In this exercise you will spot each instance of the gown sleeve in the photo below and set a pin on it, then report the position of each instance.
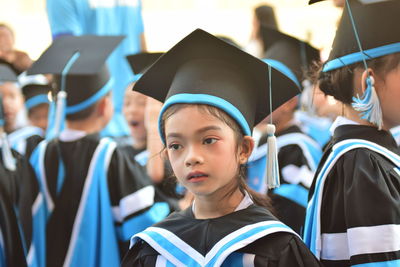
(372, 208)
(132, 198)
(281, 250)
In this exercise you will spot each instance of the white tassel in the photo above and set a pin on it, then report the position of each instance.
(8, 159)
(60, 111)
(368, 104)
(272, 172)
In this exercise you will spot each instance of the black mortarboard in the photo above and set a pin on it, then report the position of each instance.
(141, 61)
(7, 74)
(378, 31)
(202, 69)
(35, 88)
(295, 54)
(78, 63)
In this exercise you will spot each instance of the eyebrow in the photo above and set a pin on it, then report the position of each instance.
(199, 131)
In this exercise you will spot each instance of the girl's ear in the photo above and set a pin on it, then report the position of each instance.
(247, 147)
(364, 76)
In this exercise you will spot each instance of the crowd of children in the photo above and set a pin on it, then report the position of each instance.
(234, 158)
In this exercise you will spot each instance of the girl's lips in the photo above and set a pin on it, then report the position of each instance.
(196, 176)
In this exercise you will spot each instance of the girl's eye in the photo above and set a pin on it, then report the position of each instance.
(209, 141)
(174, 146)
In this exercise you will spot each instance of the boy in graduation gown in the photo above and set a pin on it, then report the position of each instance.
(36, 89)
(97, 196)
(298, 154)
(18, 193)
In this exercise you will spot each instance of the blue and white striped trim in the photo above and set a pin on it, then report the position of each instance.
(91, 100)
(179, 253)
(110, 146)
(211, 100)
(359, 56)
(312, 230)
(17, 139)
(36, 101)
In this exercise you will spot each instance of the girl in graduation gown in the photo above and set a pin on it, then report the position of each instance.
(207, 136)
(353, 214)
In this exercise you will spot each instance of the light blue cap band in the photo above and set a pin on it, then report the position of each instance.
(211, 100)
(282, 68)
(37, 100)
(91, 100)
(360, 56)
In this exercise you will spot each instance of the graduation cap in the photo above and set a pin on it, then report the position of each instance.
(7, 74)
(35, 88)
(79, 67)
(202, 69)
(141, 61)
(377, 32)
(290, 55)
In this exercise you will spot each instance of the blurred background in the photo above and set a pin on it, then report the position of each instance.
(167, 21)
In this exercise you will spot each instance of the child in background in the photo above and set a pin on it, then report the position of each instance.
(213, 94)
(35, 89)
(97, 195)
(353, 216)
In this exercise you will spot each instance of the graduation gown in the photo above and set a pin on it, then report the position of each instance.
(298, 157)
(19, 194)
(24, 140)
(97, 196)
(251, 235)
(11, 245)
(353, 217)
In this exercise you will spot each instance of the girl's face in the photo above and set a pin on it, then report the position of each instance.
(389, 95)
(12, 102)
(134, 107)
(202, 151)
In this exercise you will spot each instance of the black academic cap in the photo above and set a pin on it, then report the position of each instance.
(377, 25)
(7, 74)
(202, 69)
(81, 60)
(141, 61)
(228, 40)
(297, 55)
(35, 89)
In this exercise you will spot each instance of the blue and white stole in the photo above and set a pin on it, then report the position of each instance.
(396, 134)
(17, 139)
(101, 246)
(312, 228)
(176, 252)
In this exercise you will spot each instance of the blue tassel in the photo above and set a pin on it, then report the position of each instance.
(368, 104)
(273, 179)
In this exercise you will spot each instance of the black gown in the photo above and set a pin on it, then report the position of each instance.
(119, 200)
(18, 190)
(275, 249)
(360, 207)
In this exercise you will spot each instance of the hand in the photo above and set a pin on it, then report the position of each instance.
(152, 111)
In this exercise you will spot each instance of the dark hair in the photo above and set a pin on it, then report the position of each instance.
(259, 199)
(85, 113)
(339, 83)
(266, 16)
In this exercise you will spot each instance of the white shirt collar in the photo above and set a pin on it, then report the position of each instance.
(340, 120)
(69, 135)
(245, 203)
